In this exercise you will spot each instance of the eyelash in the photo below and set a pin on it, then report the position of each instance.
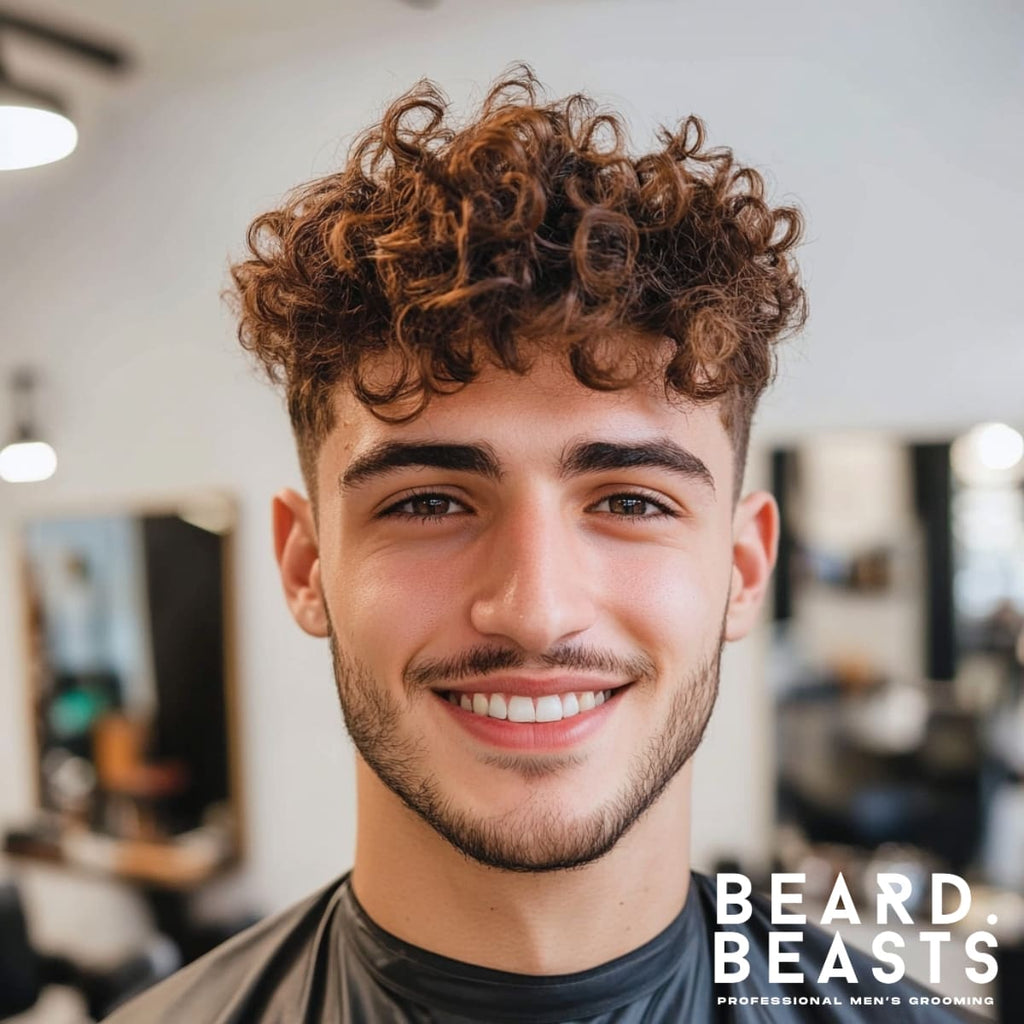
(663, 509)
(394, 511)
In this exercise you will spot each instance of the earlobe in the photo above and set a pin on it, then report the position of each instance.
(298, 558)
(755, 545)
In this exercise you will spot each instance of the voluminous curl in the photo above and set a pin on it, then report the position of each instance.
(451, 247)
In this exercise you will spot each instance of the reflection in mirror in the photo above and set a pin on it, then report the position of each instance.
(129, 673)
(898, 659)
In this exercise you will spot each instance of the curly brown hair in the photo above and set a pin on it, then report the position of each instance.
(450, 247)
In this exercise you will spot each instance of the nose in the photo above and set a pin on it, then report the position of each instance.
(535, 583)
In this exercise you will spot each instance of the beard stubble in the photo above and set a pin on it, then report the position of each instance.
(547, 842)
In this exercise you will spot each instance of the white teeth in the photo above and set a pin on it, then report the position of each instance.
(552, 707)
(549, 709)
(521, 709)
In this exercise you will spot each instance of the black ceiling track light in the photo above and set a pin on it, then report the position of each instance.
(35, 126)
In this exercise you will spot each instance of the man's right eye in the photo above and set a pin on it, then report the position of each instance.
(424, 506)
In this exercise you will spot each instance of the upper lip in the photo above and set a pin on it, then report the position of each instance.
(534, 686)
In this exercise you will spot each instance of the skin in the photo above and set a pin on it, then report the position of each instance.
(614, 575)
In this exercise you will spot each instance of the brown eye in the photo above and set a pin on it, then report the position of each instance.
(628, 505)
(631, 505)
(429, 505)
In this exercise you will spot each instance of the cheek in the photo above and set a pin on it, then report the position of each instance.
(384, 609)
(670, 600)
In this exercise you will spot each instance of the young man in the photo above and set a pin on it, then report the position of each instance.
(521, 366)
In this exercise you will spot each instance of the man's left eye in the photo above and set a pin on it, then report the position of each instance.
(633, 506)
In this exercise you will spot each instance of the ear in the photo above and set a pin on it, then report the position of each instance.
(754, 547)
(298, 558)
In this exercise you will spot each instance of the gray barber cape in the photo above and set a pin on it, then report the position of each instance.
(325, 962)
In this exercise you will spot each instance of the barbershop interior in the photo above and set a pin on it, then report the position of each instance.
(173, 762)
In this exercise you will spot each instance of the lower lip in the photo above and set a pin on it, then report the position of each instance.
(535, 736)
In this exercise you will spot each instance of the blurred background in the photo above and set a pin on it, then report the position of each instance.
(172, 761)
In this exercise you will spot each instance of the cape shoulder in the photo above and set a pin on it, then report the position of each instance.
(261, 974)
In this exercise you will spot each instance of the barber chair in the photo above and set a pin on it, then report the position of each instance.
(25, 972)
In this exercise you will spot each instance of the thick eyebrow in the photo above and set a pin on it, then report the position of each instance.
(391, 455)
(595, 456)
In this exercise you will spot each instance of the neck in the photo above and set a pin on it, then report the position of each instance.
(416, 886)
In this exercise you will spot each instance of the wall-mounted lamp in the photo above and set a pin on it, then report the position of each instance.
(35, 127)
(28, 458)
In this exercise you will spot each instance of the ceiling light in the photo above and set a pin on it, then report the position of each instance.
(27, 462)
(990, 453)
(999, 446)
(34, 126)
(28, 458)
(34, 129)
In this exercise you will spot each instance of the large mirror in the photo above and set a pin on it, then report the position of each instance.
(130, 685)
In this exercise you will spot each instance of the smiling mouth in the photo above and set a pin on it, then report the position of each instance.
(553, 707)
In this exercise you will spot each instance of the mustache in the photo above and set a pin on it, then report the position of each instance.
(484, 660)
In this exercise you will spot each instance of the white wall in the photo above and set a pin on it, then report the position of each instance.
(897, 128)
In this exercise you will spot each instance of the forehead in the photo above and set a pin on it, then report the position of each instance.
(532, 417)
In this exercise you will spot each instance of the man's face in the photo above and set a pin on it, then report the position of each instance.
(528, 548)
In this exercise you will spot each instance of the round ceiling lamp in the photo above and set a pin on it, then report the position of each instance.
(27, 458)
(989, 454)
(34, 128)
